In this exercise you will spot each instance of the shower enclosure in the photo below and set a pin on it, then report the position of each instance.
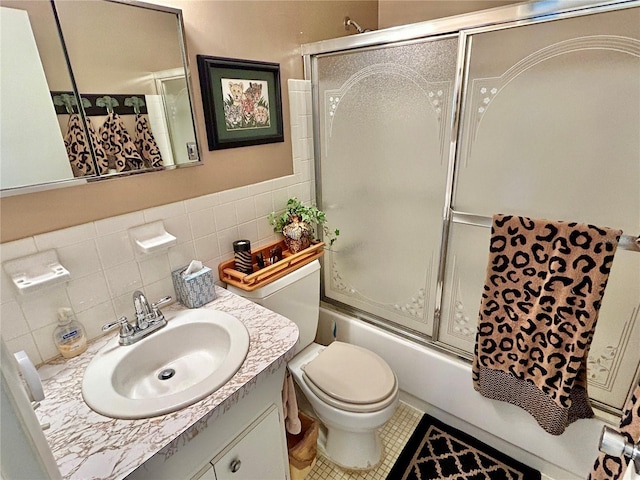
(423, 132)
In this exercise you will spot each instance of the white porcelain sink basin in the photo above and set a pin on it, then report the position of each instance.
(194, 355)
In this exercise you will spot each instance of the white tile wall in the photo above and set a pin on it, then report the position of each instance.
(106, 270)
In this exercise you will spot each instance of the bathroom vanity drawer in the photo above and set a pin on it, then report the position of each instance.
(256, 453)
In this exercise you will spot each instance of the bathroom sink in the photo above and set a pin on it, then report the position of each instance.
(194, 355)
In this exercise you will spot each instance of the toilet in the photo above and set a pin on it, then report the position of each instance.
(352, 390)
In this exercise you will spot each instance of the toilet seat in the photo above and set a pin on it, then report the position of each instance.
(341, 375)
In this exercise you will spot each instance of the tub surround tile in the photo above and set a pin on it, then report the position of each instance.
(89, 445)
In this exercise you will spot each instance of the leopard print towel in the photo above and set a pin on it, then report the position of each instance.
(545, 281)
(146, 143)
(607, 467)
(121, 151)
(79, 151)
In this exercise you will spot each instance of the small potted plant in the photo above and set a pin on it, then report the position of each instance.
(297, 225)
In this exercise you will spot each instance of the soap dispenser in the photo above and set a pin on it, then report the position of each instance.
(69, 336)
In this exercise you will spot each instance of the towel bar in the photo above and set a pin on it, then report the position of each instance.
(626, 242)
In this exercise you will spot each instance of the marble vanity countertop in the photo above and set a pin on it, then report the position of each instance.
(88, 445)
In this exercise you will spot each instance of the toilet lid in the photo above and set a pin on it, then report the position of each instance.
(351, 374)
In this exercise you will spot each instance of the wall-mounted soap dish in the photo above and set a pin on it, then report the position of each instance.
(36, 272)
(151, 237)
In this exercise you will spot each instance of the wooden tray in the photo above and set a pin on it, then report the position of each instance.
(266, 275)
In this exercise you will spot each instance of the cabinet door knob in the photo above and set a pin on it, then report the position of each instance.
(235, 465)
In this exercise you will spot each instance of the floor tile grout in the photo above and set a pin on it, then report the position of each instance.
(394, 436)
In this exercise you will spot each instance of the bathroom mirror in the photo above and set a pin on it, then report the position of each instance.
(118, 103)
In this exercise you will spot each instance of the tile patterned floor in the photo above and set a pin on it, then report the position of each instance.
(394, 435)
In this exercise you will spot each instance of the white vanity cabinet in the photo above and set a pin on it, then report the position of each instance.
(246, 440)
(254, 454)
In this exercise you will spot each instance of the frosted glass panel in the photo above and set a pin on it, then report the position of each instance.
(550, 130)
(384, 118)
(550, 125)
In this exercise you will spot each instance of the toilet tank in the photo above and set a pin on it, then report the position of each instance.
(295, 296)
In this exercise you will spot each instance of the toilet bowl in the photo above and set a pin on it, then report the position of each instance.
(351, 412)
(352, 391)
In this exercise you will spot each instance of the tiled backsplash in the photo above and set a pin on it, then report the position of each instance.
(105, 269)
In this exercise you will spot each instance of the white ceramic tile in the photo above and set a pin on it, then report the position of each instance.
(43, 338)
(87, 292)
(296, 144)
(155, 268)
(234, 194)
(25, 343)
(283, 182)
(66, 237)
(264, 204)
(303, 124)
(12, 321)
(202, 202)
(179, 227)
(305, 170)
(202, 223)
(245, 210)
(225, 241)
(164, 211)
(41, 308)
(307, 146)
(225, 216)
(119, 223)
(207, 248)
(115, 249)
(280, 198)
(123, 278)
(248, 231)
(94, 318)
(160, 289)
(213, 265)
(265, 229)
(182, 255)
(80, 259)
(8, 291)
(17, 249)
(123, 306)
(296, 191)
(307, 192)
(262, 187)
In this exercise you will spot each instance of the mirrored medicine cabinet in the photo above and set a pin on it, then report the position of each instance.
(91, 89)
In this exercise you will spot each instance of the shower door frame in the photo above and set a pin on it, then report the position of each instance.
(462, 26)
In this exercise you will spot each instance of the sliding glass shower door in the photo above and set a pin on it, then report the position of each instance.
(419, 143)
(385, 131)
(550, 129)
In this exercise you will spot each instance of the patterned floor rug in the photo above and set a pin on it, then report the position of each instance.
(437, 451)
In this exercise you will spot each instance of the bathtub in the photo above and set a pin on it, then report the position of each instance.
(440, 385)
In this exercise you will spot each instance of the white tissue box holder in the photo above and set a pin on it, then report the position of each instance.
(195, 289)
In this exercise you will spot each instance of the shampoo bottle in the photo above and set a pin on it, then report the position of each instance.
(69, 335)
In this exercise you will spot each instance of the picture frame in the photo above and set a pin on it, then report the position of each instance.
(242, 101)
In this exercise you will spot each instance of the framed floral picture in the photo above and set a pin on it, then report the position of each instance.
(242, 102)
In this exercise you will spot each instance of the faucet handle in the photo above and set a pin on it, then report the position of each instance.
(155, 307)
(125, 327)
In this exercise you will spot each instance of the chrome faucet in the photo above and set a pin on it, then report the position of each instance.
(148, 320)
